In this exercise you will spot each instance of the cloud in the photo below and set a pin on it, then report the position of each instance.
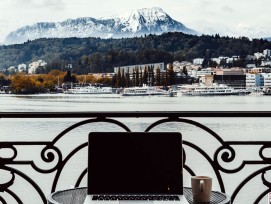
(55, 4)
(243, 26)
(226, 8)
(39, 4)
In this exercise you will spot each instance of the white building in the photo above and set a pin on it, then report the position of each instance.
(11, 69)
(266, 63)
(258, 55)
(198, 61)
(266, 79)
(263, 80)
(250, 66)
(250, 80)
(231, 59)
(231, 71)
(267, 53)
(178, 66)
(204, 72)
(32, 67)
(217, 60)
(22, 67)
(250, 58)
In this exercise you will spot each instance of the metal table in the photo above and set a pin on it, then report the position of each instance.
(78, 195)
(216, 197)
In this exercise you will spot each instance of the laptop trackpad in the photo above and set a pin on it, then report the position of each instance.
(135, 202)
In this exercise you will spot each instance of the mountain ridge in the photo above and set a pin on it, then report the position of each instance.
(100, 55)
(136, 23)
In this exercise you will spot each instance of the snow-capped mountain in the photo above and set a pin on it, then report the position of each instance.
(136, 23)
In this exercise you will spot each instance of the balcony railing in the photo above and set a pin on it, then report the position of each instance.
(34, 165)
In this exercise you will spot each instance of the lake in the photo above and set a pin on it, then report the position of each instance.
(233, 129)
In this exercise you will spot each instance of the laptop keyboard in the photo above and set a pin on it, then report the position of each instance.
(135, 197)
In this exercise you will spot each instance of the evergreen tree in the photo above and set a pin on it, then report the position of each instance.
(137, 77)
(114, 81)
(118, 82)
(133, 81)
(149, 75)
(163, 79)
(152, 77)
(127, 81)
(171, 74)
(140, 77)
(69, 77)
(122, 79)
(145, 76)
(185, 72)
(158, 76)
(166, 78)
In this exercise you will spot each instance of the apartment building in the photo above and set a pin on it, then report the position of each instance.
(250, 80)
(263, 80)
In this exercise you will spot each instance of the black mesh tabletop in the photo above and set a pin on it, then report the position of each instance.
(78, 195)
(71, 196)
(216, 197)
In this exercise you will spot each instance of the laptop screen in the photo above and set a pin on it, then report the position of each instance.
(135, 163)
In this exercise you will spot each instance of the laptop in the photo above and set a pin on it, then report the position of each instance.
(135, 167)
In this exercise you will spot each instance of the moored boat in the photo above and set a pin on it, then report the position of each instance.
(89, 89)
(213, 90)
(147, 91)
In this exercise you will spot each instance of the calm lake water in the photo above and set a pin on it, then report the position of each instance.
(233, 129)
(112, 102)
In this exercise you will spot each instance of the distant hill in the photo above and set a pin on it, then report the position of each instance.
(101, 55)
(138, 22)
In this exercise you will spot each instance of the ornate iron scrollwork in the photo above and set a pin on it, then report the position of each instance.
(49, 159)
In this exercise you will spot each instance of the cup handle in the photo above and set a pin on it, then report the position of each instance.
(201, 183)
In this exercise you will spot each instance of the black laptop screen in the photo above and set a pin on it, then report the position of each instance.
(135, 163)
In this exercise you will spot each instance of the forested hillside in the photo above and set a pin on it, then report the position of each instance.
(101, 55)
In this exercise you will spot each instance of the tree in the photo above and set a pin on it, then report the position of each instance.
(23, 84)
(133, 79)
(141, 77)
(151, 76)
(69, 77)
(4, 81)
(114, 81)
(223, 63)
(158, 76)
(122, 78)
(145, 76)
(239, 63)
(185, 72)
(127, 81)
(166, 78)
(212, 63)
(137, 77)
(118, 82)
(171, 74)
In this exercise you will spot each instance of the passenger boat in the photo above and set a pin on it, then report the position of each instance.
(213, 90)
(148, 91)
(90, 89)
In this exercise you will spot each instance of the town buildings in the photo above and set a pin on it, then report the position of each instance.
(255, 72)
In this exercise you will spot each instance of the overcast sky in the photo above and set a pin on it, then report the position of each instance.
(230, 17)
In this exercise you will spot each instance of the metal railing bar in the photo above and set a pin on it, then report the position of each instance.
(136, 114)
